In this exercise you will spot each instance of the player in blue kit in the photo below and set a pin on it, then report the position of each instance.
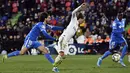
(117, 39)
(32, 42)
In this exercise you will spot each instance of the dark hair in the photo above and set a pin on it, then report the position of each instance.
(120, 14)
(80, 16)
(43, 16)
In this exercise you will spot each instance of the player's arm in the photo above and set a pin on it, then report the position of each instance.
(81, 7)
(125, 13)
(45, 33)
(128, 9)
(114, 25)
(54, 27)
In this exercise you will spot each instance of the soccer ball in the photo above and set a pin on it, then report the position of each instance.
(116, 57)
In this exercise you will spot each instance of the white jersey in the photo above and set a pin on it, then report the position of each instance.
(67, 35)
(69, 32)
(71, 29)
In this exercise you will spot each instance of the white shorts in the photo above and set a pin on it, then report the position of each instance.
(62, 43)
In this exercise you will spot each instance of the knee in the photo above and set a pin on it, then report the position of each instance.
(125, 45)
(45, 51)
(61, 53)
(21, 53)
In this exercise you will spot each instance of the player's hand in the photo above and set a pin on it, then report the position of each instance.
(56, 40)
(85, 6)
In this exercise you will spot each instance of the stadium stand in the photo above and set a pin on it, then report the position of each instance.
(18, 16)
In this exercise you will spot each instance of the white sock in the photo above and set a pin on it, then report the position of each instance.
(58, 58)
(129, 58)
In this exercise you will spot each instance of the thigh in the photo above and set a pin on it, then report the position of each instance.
(123, 41)
(40, 47)
(62, 44)
(23, 50)
(36, 44)
(112, 44)
(43, 49)
(28, 43)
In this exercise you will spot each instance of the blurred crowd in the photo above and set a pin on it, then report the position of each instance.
(95, 29)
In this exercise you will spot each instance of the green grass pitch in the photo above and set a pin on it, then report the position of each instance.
(72, 64)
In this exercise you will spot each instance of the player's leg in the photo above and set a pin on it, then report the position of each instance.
(46, 54)
(128, 51)
(15, 53)
(59, 59)
(61, 54)
(27, 44)
(123, 53)
(48, 57)
(124, 50)
(128, 54)
(106, 54)
(60, 51)
(112, 46)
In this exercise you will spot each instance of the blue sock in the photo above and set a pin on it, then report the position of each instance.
(15, 53)
(49, 58)
(106, 54)
(123, 51)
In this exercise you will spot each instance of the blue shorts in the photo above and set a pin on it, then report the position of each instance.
(116, 41)
(28, 43)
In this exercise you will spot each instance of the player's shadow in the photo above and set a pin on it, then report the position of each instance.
(117, 66)
(66, 69)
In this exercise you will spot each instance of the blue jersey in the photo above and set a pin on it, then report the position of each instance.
(31, 39)
(41, 27)
(118, 26)
(116, 35)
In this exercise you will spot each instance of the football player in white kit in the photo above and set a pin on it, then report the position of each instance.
(76, 19)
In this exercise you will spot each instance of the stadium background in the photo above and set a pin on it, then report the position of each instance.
(18, 16)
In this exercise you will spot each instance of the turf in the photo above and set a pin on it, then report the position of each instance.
(72, 64)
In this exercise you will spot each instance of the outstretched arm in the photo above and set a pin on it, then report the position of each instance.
(128, 9)
(81, 7)
(42, 29)
(125, 12)
(54, 27)
(47, 35)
